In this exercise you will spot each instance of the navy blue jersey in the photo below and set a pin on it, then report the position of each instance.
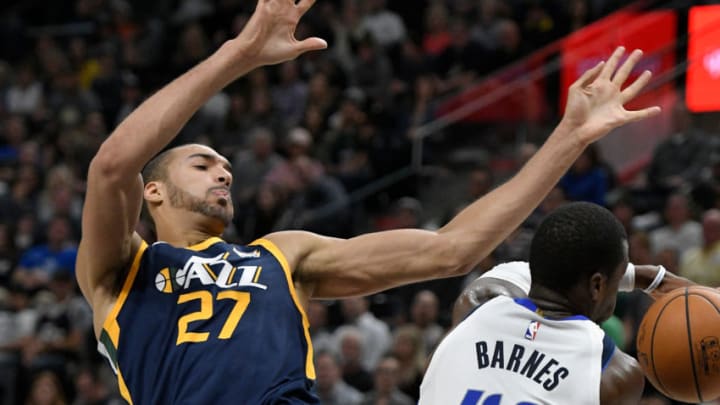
(214, 323)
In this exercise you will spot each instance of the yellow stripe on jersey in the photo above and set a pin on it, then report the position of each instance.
(309, 366)
(205, 244)
(257, 275)
(124, 392)
(210, 272)
(111, 325)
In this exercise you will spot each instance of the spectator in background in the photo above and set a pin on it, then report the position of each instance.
(262, 214)
(14, 133)
(678, 160)
(46, 389)
(508, 45)
(41, 262)
(352, 349)
(318, 202)
(680, 233)
(8, 253)
(250, 166)
(640, 251)
(59, 197)
(385, 26)
(25, 235)
(386, 391)
(68, 100)
(376, 334)
(480, 181)
(408, 348)
(17, 324)
(437, 36)
(460, 62)
(331, 389)
(424, 315)
(587, 179)
(702, 264)
(669, 258)
(624, 211)
(130, 96)
(25, 96)
(61, 329)
(372, 71)
(322, 339)
(290, 95)
(22, 196)
(90, 390)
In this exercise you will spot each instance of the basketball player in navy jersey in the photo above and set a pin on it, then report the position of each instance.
(192, 319)
(536, 323)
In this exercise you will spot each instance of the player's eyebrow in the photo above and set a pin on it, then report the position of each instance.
(210, 157)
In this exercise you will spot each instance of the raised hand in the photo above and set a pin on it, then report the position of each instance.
(596, 102)
(269, 36)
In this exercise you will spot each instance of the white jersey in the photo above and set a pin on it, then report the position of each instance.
(506, 353)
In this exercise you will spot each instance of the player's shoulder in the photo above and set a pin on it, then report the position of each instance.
(622, 380)
(296, 246)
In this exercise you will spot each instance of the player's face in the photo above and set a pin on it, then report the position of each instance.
(199, 181)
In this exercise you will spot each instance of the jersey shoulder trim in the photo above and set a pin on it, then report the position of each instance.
(205, 244)
(277, 253)
(110, 335)
(607, 351)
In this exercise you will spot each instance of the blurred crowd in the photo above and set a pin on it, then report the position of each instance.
(302, 138)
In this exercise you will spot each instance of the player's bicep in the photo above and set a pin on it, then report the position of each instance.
(369, 263)
(110, 214)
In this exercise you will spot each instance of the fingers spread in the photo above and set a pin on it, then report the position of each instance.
(304, 5)
(624, 72)
(590, 75)
(634, 89)
(612, 63)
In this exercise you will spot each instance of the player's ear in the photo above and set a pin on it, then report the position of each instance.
(154, 192)
(597, 286)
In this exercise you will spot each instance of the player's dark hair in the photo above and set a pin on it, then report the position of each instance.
(156, 168)
(574, 242)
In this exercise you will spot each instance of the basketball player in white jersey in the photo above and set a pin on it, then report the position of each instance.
(538, 342)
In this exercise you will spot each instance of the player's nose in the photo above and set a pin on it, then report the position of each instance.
(223, 176)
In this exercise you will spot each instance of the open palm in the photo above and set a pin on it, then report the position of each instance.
(596, 101)
(269, 35)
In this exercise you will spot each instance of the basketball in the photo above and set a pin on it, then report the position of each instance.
(678, 344)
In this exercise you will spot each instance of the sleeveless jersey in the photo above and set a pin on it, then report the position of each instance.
(214, 323)
(507, 353)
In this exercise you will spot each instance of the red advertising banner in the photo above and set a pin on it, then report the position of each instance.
(653, 32)
(514, 94)
(703, 74)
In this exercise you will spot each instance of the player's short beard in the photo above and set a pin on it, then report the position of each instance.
(180, 198)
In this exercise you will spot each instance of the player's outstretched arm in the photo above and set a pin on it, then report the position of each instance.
(114, 193)
(373, 262)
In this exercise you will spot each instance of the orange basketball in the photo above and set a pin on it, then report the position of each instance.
(678, 344)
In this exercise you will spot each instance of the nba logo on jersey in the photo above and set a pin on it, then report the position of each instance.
(532, 330)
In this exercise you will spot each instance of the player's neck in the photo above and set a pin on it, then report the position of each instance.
(554, 304)
(185, 229)
(180, 235)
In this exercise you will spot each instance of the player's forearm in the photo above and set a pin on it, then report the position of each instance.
(158, 120)
(480, 227)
